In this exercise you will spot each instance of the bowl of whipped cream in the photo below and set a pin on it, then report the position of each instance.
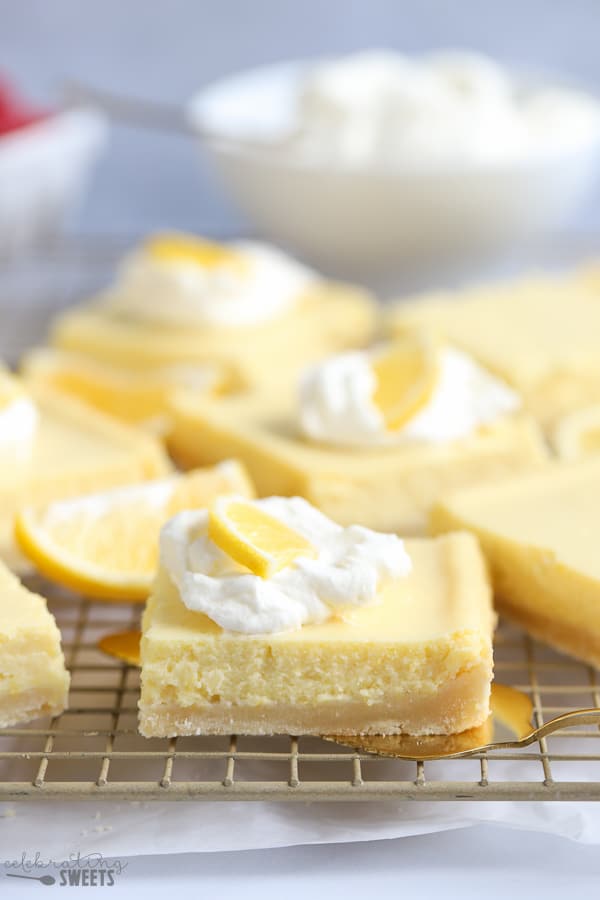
(376, 164)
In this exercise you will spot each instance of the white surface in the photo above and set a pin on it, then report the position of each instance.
(478, 862)
(164, 827)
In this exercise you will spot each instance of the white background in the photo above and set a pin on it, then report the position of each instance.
(165, 50)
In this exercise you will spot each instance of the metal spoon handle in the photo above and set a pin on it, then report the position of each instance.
(576, 717)
(131, 110)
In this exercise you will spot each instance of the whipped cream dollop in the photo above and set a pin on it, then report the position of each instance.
(336, 402)
(381, 107)
(351, 567)
(250, 284)
(18, 426)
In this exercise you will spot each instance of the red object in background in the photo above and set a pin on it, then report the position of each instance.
(16, 113)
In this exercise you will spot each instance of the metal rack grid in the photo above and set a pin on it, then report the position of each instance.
(94, 750)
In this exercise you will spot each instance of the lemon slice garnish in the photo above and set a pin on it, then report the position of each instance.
(184, 248)
(105, 545)
(406, 375)
(253, 538)
(577, 435)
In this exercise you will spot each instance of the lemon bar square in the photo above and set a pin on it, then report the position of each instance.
(539, 532)
(327, 318)
(419, 662)
(33, 679)
(541, 334)
(76, 449)
(388, 489)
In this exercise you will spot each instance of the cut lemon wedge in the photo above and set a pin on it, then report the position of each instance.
(106, 545)
(406, 373)
(187, 248)
(577, 435)
(253, 538)
(136, 396)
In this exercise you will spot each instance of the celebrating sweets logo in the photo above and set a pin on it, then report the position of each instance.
(79, 870)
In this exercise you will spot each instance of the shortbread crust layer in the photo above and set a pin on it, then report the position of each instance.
(461, 704)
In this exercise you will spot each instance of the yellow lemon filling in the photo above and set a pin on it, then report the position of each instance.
(255, 539)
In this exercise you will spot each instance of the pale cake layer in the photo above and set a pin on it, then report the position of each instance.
(541, 334)
(328, 318)
(33, 678)
(539, 533)
(421, 660)
(77, 450)
(389, 489)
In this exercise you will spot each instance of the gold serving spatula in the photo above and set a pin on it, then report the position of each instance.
(508, 727)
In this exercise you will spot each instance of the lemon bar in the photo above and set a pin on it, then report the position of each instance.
(135, 396)
(246, 307)
(541, 334)
(389, 488)
(33, 678)
(539, 533)
(417, 662)
(75, 449)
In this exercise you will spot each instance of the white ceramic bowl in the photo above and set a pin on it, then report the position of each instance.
(44, 169)
(377, 222)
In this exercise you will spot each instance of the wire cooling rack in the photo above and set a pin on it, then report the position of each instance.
(94, 750)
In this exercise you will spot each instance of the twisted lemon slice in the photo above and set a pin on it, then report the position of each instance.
(105, 545)
(184, 248)
(253, 538)
(406, 373)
